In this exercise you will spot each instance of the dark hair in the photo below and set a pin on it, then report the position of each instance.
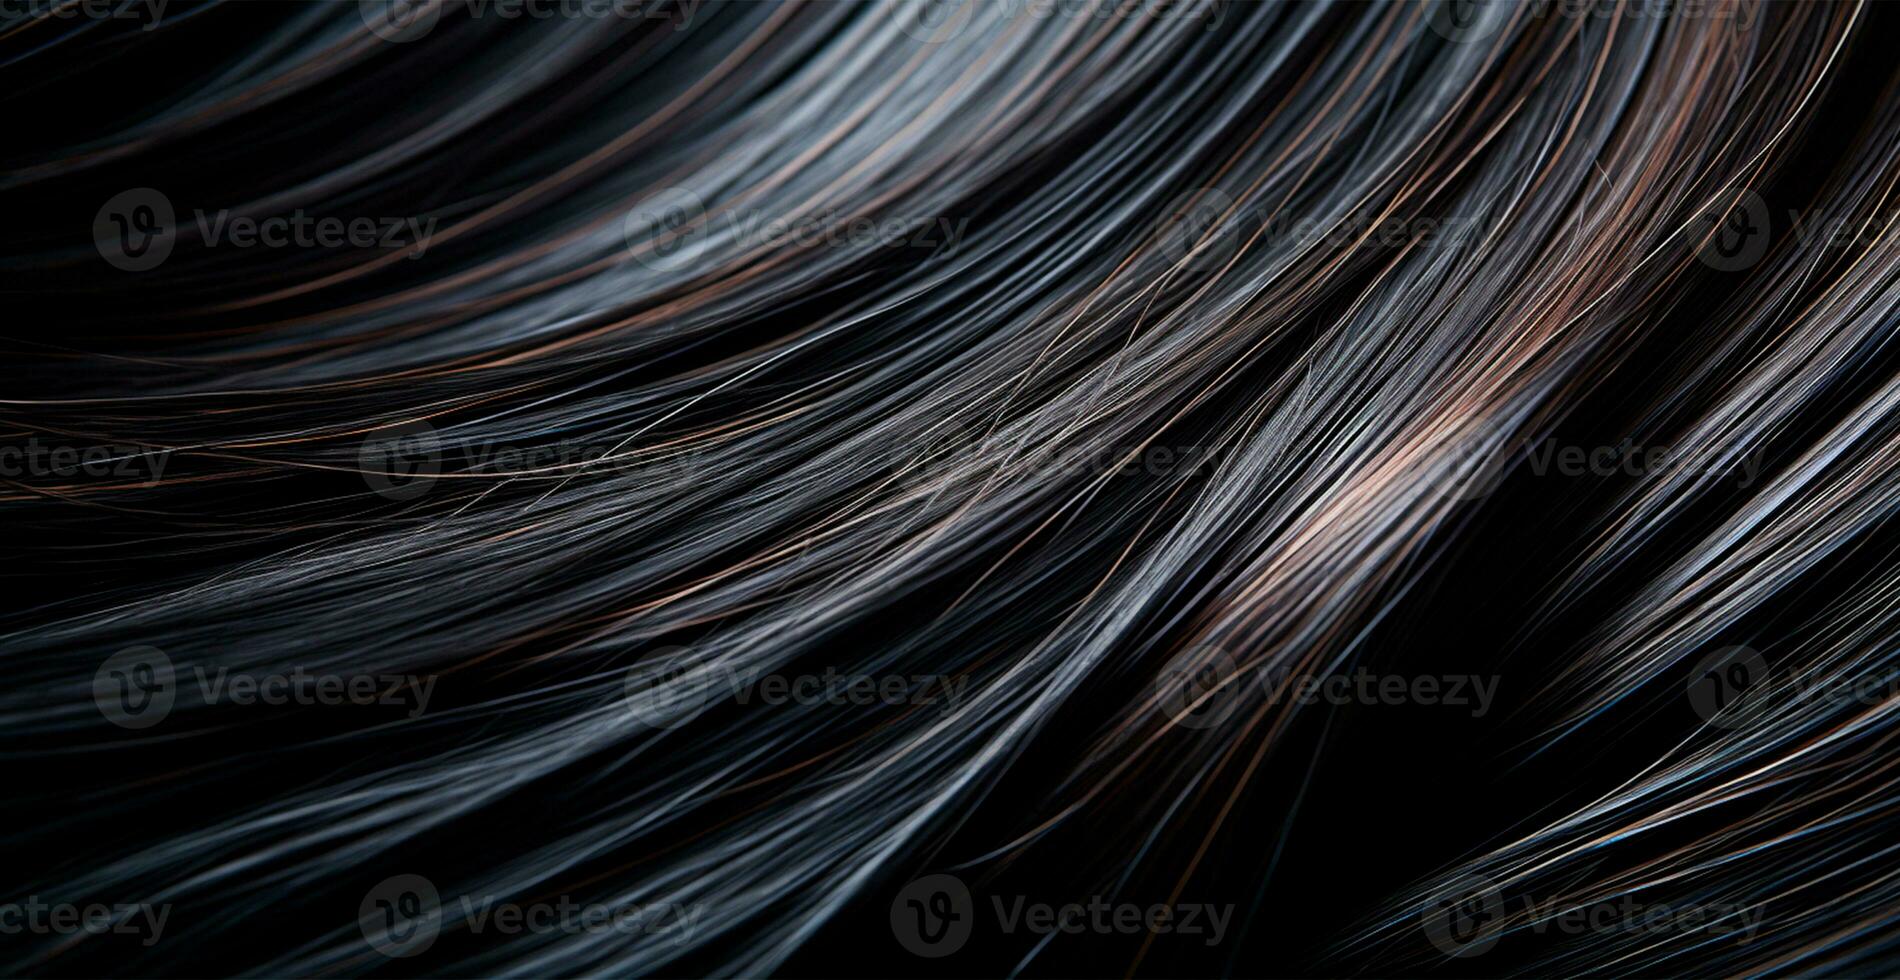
(1412, 479)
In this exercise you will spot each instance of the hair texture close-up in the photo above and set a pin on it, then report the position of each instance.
(977, 488)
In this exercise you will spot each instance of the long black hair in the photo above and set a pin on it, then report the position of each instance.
(617, 488)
